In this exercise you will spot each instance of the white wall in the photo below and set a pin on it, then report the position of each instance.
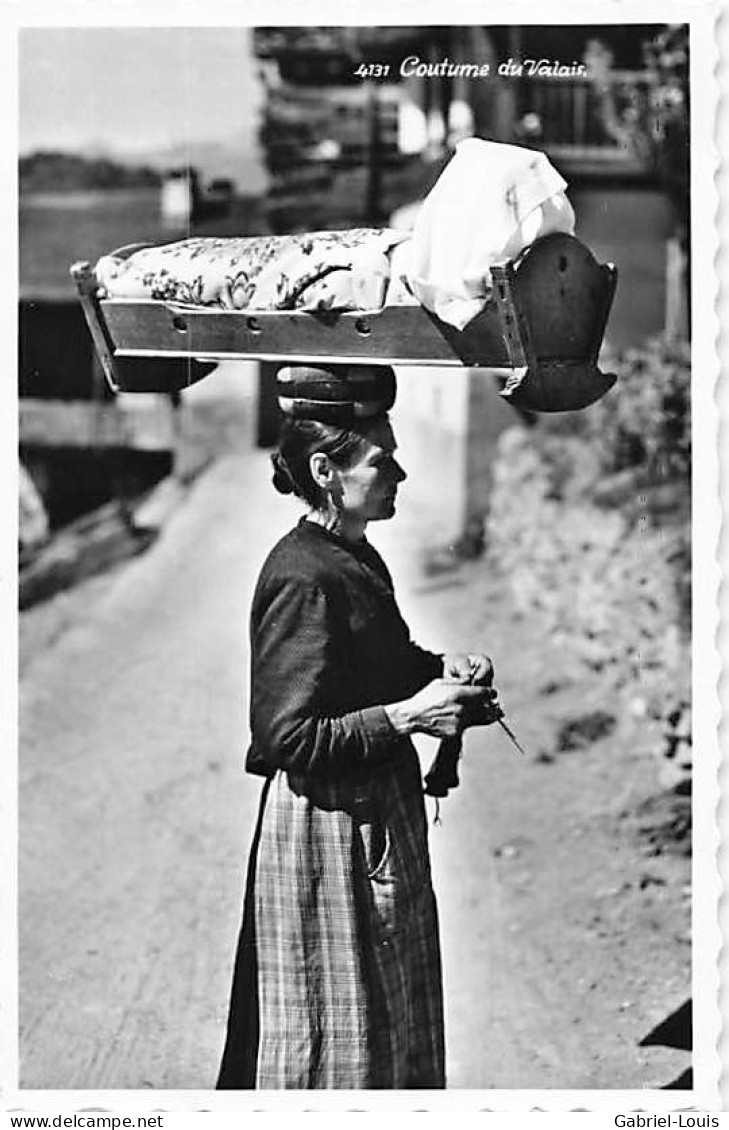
(447, 421)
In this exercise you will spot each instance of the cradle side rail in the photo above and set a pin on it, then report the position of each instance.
(548, 314)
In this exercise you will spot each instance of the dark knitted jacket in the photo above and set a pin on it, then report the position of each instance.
(329, 648)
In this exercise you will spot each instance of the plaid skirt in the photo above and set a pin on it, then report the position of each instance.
(341, 924)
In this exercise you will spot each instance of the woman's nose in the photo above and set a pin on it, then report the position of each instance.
(400, 474)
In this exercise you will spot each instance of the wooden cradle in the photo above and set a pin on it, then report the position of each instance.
(544, 324)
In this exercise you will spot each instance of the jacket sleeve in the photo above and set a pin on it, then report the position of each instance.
(424, 666)
(294, 674)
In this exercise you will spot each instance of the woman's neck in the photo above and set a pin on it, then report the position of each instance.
(348, 529)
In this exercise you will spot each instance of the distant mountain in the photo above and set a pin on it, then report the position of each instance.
(55, 171)
(50, 171)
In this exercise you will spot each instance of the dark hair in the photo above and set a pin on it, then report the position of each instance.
(298, 441)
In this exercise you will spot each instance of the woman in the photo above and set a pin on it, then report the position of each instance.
(338, 977)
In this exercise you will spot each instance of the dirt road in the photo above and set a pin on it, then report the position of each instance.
(565, 940)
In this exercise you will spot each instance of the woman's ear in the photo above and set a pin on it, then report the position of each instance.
(321, 470)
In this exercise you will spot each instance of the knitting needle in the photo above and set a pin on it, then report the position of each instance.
(510, 733)
(504, 725)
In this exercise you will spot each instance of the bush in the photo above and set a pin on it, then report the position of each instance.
(645, 421)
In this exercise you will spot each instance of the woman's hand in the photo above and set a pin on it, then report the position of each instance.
(444, 709)
(468, 668)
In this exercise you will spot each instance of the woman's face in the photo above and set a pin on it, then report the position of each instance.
(365, 491)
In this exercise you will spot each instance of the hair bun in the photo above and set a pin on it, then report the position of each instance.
(282, 479)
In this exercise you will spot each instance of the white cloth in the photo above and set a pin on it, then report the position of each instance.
(488, 204)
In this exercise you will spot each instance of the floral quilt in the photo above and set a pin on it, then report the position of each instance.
(318, 271)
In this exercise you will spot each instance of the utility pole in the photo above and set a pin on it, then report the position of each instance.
(373, 190)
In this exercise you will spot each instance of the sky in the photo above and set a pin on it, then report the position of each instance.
(135, 90)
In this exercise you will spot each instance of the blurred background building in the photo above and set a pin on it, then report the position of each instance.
(342, 99)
